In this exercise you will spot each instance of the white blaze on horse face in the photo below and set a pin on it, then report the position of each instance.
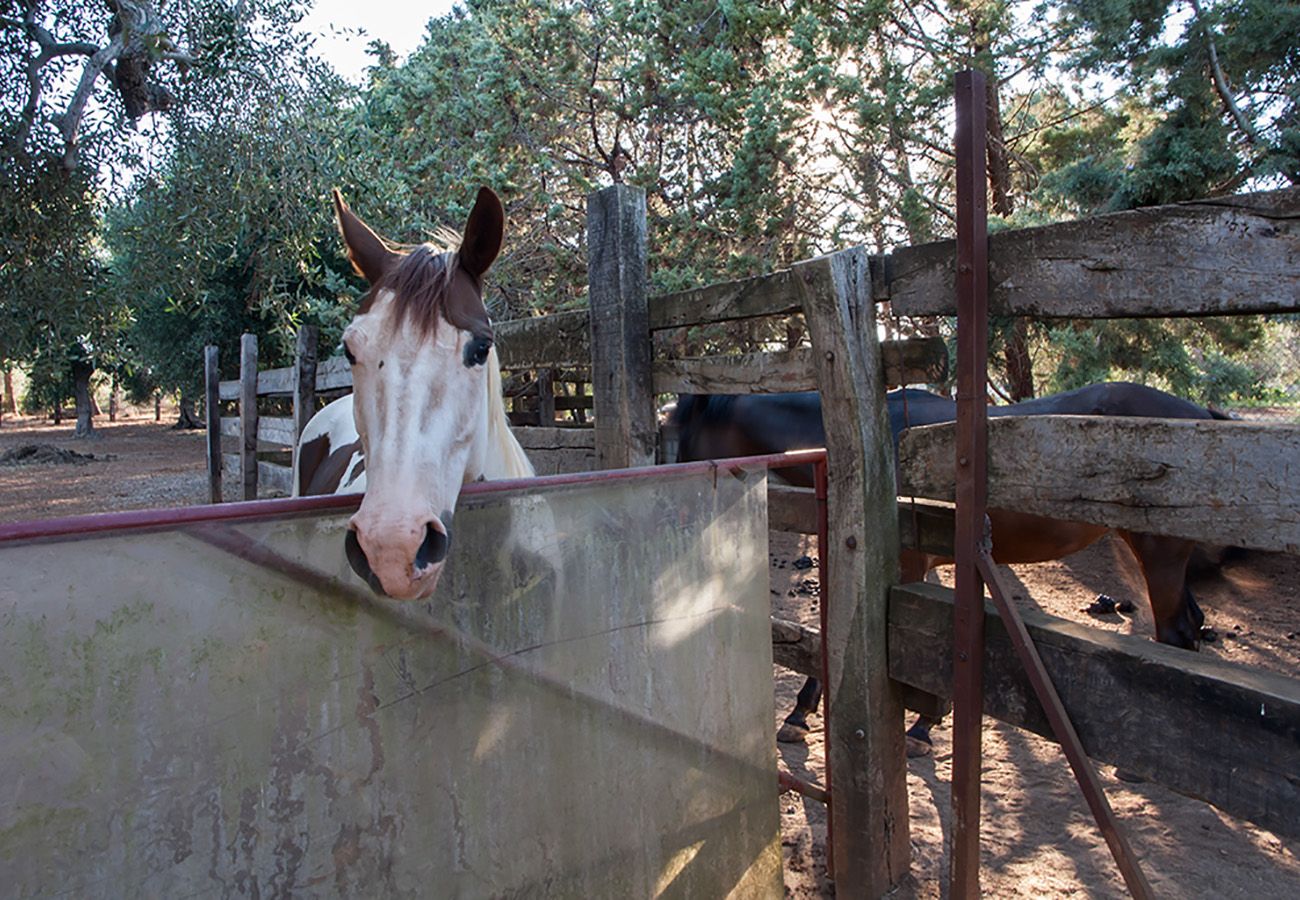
(418, 411)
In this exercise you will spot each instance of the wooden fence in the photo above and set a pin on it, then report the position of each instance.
(890, 646)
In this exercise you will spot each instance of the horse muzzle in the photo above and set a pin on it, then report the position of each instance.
(404, 563)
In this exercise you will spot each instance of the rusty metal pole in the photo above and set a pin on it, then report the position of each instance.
(972, 431)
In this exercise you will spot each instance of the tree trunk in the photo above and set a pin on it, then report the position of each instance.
(1018, 364)
(10, 401)
(58, 411)
(187, 420)
(157, 406)
(112, 400)
(81, 372)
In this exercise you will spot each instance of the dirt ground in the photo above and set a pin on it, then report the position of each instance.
(1039, 840)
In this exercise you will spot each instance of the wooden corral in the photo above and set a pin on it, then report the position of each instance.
(1232, 255)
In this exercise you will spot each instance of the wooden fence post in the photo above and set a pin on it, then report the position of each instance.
(620, 328)
(304, 385)
(546, 397)
(212, 416)
(866, 755)
(248, 415)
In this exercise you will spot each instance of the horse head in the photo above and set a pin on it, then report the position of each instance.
(423, 367)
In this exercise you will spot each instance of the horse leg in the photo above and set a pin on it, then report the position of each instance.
(794, 730)
(1178, 618)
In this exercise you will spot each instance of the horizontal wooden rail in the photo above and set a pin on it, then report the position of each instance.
(270, 429)
(1204, 727)
(774, 294)
(331, 375)
(552, 341)
(1220, 482)
(912, 361)
(556, 451)
(269, 475)
(924, 525)
(1221, 256)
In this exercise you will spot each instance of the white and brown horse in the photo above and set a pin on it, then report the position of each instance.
(425, 414)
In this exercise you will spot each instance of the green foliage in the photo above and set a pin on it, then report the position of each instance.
(762, 133)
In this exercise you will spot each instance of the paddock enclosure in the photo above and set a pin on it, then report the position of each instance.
(207, 700)
(1209, 729)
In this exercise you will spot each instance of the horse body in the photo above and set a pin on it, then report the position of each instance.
(426, 413)
(715, 427)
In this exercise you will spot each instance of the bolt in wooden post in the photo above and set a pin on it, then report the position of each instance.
(620, 328)
(212, 415)
(248, 415)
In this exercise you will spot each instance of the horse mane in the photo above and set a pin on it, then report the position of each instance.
(504, 448)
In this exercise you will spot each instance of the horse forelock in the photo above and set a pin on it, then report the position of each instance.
(419, 283)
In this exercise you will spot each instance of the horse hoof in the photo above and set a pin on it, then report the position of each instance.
(1209, 635)
(1130, 777)
(917, 748)
(792, 733)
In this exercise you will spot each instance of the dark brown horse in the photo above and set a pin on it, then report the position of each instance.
(716, 427)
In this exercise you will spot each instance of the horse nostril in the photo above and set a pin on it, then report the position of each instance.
(357, 559)
(434, 549)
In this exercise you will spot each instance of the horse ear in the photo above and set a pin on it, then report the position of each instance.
(367, 252)
(483, 232)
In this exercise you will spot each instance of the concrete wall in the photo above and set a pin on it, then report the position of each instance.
(584, 709)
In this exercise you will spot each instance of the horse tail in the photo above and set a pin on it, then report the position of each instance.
(508, 452)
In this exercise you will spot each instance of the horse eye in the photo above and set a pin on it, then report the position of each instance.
(476, 352)
(347, 352)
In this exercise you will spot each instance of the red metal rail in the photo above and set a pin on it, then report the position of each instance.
(251, 510)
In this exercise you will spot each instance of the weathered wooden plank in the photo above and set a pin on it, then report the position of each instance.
(555, 340)
(927, 526)
(1205, 257)
(1204, 727)
(248, 414)
(558, 451)
(797, 647)
(741, 373)
(1232, 483)
(333, 374)
(277, 430)
(620, 336)
(923, 525)
(212, 415)
(554, 438)
(866, 754)
(791, 509)
(270, 477)
(764, 295)
(914, 361)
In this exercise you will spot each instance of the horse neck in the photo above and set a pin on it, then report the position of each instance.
(500, 452)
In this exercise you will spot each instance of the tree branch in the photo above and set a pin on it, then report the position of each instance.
(1220, 81)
